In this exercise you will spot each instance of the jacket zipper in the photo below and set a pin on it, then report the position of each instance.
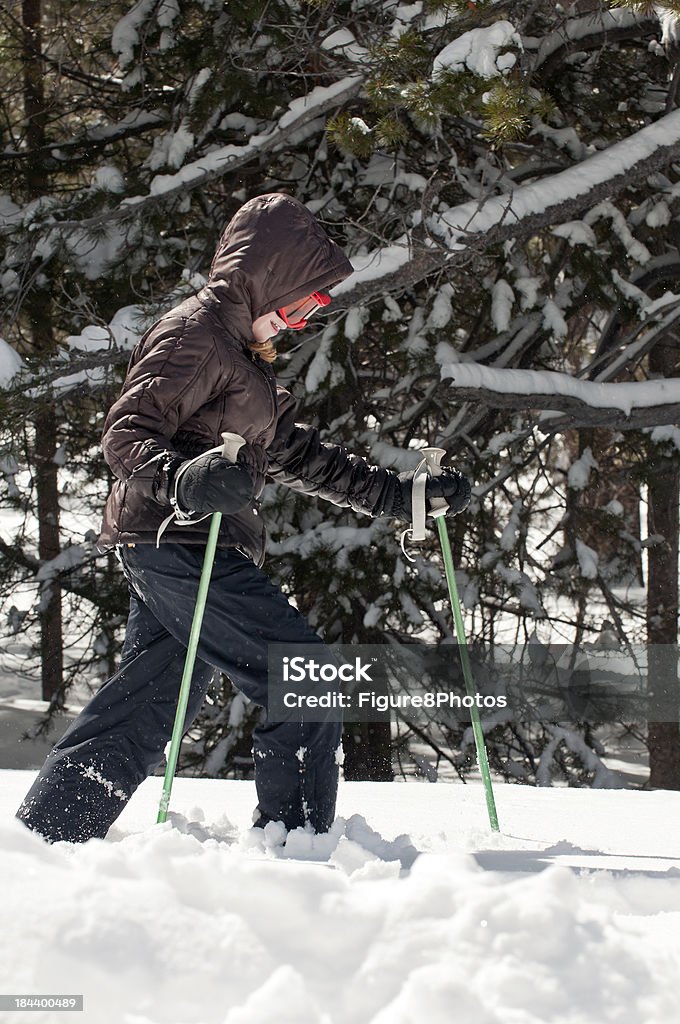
(272, 393)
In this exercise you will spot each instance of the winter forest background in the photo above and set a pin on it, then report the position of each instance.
(506, 179)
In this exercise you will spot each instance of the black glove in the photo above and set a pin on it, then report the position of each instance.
(254, 459)
(450, 485)
(213, 484)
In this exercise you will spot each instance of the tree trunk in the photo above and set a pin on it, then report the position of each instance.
(662, 598)
(39, 317)
(367, 748)
(46, 483)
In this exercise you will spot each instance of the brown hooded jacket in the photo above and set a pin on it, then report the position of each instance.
(193, 376)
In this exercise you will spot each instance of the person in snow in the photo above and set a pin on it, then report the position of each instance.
(205, 368)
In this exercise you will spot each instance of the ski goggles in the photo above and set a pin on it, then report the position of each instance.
(296, 314)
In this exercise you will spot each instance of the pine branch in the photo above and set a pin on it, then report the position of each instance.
(78, 581)
(473, 228)
(193, 176)
(95, 138)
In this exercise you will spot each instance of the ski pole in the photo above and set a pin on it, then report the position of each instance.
(431, 466)
(232, 443)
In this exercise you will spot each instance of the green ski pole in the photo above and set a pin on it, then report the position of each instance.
(232, 443)
(431, 467)
(467, 672)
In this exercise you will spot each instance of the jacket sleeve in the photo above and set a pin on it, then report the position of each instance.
(175, 371)
(300, 460)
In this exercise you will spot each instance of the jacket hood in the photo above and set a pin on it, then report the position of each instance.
(271, 253)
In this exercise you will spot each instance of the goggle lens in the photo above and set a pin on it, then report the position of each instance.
(296, 314)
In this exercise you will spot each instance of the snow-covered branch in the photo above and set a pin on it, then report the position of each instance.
(556, 199)
(99, 136)
(72, 566)
(624, 406)
(300, 115)
(476, 226)
(585, 33)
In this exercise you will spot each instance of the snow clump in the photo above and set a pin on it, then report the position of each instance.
(483, 51)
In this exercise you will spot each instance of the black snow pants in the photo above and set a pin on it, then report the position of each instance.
(120, 736)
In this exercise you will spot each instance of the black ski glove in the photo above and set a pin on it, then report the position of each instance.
(254, 459)
(213, 484)
(450, 485)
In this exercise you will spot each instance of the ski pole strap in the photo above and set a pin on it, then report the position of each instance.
(229, 449)
(429, 465)
(433, 457)
(419, 501)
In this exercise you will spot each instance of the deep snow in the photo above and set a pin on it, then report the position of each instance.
(570, 916)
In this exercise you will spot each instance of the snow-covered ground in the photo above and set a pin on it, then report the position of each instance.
(570, 916)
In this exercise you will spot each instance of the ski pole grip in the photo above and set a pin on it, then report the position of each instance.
(232, 445)
(433, 457)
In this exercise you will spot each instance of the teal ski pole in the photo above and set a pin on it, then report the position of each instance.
(430, 466)
(232, 443)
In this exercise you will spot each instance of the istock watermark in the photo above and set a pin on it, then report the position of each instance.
(532, 682)
(300, 669)
(366, 683)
